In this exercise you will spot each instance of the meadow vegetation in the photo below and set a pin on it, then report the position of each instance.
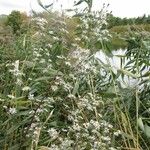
(57, 94)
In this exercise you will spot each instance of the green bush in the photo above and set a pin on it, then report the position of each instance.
(59, 95)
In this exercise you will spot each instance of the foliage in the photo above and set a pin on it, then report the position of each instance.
(120, 33)
(137, 104)
(117, 21)
(15, 20)
(56, 92)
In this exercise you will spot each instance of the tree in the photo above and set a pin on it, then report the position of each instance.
(14, 20)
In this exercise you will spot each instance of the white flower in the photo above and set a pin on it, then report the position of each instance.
(11, 96)
(77, 39)
(61, 57)
(49, 45)
(106, 130)
(39, 110)
(47, 54)
(42, 61)
(68, 63)
(51, 32)
(95, 124)
(54, 147)
(70, 117)
(16, 65)
(76, 127)
(105, 138)
(71, 96)
(53, 133)
(66, 143)
(36, 54)
(55, 38)
(31, 96)
(12, 110)
(33, 125)
(110, 126)
(16, 71)
(26, 88)
(37, 118)
(117, 133)
(40, 21)
(5, 107)
(54, 88)
(19, 82)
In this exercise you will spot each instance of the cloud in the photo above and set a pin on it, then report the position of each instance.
(8, 4)
(121, 8)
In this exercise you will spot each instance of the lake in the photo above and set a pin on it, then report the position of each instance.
(115, 63)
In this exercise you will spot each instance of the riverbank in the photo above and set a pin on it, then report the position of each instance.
(120, 33)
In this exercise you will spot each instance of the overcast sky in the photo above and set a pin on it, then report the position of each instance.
(121, 8)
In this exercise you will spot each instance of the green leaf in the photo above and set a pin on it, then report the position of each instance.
(127, 136)
(16, 126)
(24, 113)
(40, 3)
(22, 103)
(14, 147)
(140, 124)
(29, 64)
(43, 78)
(125, 72)
(147, 74)
(147, 130)
(44, 148)
(109, 94)
(76, 87)
(79, 2)
(47, 6)
(53, 124)
(44, 7)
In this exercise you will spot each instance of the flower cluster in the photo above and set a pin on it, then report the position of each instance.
(56, 95)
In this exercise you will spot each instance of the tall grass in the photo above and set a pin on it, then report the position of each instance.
(58, 95)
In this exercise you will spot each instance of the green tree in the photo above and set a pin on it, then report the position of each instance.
(14, 20)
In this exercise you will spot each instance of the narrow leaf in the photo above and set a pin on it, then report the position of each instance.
(140, 124)
(79, 2)
(75, 90)
(147, 130)
(125, 72)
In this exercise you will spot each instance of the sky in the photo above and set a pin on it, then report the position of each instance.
(120, 8)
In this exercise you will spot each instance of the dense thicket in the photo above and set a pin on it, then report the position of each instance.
(117, 21)
(60, 88)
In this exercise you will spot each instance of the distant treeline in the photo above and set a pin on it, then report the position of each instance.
(117, 21)
(17, 23)
(112, 20)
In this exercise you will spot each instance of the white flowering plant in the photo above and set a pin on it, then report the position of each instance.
(55, 94)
